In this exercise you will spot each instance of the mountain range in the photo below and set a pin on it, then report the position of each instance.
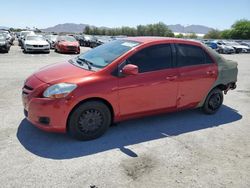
(78, 28)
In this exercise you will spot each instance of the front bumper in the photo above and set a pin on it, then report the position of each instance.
(4, 48)
(38, 109)
(31, 49)
(229, 51)
(69, 49)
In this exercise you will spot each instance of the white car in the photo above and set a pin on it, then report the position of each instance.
(238, 48)
(35, 43)
(224, 49)
(22, 37)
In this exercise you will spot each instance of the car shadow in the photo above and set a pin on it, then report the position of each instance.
(61, 146)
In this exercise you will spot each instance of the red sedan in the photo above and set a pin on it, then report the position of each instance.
(125, 79)
(67, 44)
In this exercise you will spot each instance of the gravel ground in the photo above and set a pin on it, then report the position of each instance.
(184, 149)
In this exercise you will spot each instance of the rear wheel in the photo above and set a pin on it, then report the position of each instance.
(213, 101)
(89, 121)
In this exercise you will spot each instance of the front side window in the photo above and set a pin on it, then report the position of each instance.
(152, 58)
(188, 55)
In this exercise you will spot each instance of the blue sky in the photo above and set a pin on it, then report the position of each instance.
(220, 14)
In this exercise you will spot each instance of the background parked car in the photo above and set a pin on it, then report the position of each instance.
(87, 40)
(51, 40)
(224, 49)
(22, 37)
(4, 44)
(210, 44)
(80, 39)
(9, 37)
(35, 43)
(245, 43)
(101, 40)
(238, 48)
(67, 44)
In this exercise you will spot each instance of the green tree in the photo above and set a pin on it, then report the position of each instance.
(192, 36)
(241, 29)
(180, 35)
(87, 30)
(213, 34)
(226, 34)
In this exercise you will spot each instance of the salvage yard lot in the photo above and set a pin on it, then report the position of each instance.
(184, 149)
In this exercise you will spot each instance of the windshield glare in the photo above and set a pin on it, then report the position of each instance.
(67, 38)
(34, 38)
(105, 54)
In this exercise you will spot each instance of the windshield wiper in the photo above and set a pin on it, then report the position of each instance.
(88, 63)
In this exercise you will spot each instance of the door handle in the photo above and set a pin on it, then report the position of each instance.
(211, 73)
(171, 78)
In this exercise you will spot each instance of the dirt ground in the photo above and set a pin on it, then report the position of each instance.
(184, 149)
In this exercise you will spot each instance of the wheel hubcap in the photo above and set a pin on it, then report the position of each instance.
(90, 121)
(215, 101)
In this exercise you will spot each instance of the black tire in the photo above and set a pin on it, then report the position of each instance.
(89, 121)
(213, 101)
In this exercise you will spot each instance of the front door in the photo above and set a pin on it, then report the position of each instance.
(154, 87)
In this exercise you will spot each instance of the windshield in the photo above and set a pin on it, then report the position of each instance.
(52, 37)
(34, 38)
(88, 37)
(23, 33)
(2, 37)
(67, 38)
(232, 43)
(105, 54)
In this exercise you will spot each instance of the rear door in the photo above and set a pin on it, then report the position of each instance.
(154, 87)
(197, 73)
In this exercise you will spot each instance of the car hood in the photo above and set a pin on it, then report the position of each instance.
(66, 43)
(61, 72)
(240, 46)
(36, 42)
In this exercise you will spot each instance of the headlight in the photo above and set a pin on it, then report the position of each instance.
(2, 43)
(59, 90)
(28, 45)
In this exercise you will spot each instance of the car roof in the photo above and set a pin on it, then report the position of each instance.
(161, 39)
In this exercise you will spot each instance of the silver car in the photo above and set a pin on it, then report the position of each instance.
(35, 43)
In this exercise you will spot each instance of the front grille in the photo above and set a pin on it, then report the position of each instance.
(28, 87)
(25, 93)
(37, 45)
(26, 90)
(71, 47)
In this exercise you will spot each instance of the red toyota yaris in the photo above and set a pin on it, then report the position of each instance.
(67, 44)
(126, 79)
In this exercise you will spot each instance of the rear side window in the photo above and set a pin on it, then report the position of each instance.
(188, 55)
(152, 58)
(208, 58)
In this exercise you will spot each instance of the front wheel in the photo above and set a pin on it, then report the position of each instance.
(213, 101)
(89, 121)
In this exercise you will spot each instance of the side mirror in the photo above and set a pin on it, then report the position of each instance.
(130, 69)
